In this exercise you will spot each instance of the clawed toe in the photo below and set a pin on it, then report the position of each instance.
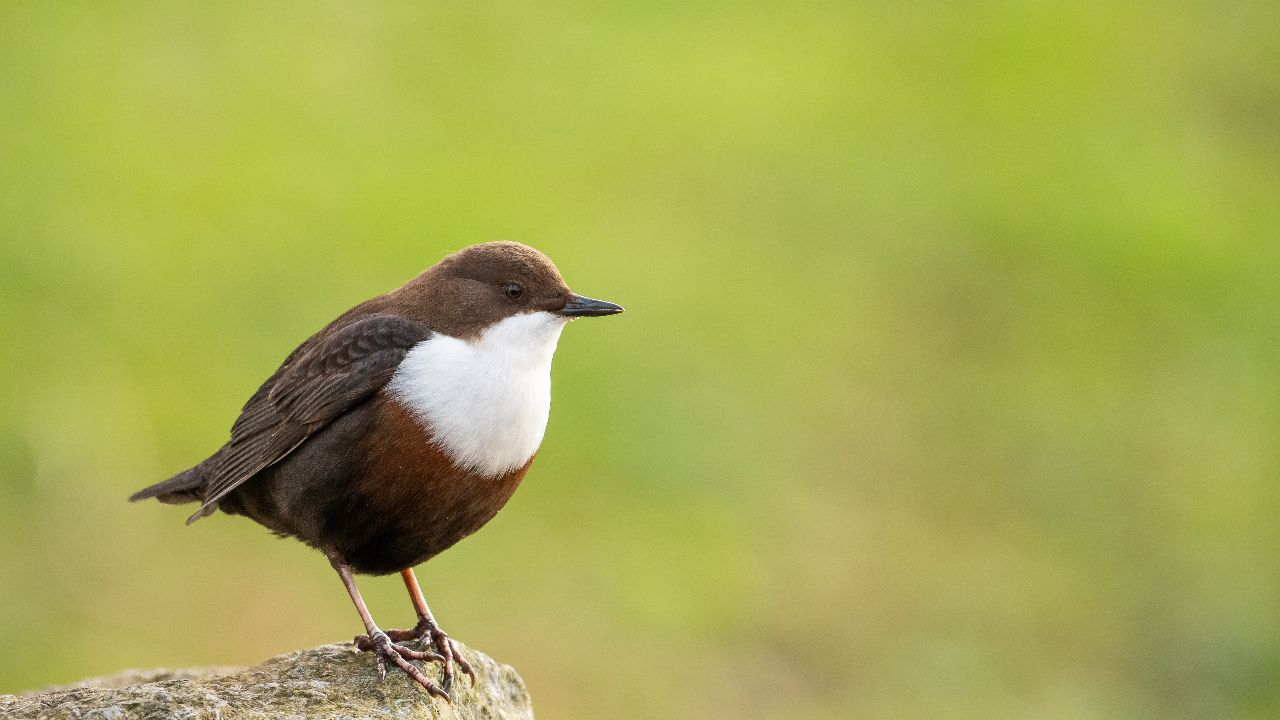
(386, 650)
(448, 649)
(447, 652)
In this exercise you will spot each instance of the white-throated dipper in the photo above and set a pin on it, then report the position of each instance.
(399, 429)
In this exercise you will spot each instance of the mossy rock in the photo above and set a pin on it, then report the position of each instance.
(331, 681)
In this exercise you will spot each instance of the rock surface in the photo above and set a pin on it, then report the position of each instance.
(330, 681)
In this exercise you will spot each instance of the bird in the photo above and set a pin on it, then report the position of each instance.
(398, 429)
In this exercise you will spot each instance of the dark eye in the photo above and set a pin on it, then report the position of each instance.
(513, 290)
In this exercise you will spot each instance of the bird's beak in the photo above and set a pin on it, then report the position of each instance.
(579, 306)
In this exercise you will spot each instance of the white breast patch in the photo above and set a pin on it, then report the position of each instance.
(485, 402)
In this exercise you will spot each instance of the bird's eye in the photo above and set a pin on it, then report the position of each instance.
(513, 290)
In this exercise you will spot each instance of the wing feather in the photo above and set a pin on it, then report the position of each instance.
(328, 375)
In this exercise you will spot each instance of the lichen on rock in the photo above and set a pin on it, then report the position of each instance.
(331, 681)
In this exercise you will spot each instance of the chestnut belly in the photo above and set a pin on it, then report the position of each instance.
(410, 501)
(373, 487)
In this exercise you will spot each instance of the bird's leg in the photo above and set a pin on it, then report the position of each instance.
(380, 643)
(428, 631)
(428, 628)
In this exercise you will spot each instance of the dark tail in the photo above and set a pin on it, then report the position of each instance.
(181, 488)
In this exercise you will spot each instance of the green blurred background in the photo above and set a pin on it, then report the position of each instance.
(947, 387)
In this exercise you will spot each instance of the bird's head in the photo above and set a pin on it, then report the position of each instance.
(482, 285)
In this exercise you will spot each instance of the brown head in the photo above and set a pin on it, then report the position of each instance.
(480, 285)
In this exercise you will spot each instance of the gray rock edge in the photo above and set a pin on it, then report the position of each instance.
(330, 681)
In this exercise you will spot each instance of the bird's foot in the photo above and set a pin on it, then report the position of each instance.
(430, 635)
(386, 650)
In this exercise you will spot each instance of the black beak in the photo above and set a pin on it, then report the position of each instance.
(579, 306)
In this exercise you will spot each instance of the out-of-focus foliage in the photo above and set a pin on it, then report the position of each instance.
(948, 384)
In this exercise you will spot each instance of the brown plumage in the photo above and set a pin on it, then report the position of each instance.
(400, 428)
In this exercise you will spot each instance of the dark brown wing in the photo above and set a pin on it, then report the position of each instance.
(328, 375)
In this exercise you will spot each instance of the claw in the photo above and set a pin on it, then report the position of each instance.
(449, 649)
(363, 643)
(430, 635)
(385, 649)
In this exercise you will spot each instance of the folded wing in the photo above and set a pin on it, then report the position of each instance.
(328, 375)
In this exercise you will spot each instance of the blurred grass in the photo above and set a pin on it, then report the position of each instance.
(947, 385)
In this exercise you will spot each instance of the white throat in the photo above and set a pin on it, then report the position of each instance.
(485, 402)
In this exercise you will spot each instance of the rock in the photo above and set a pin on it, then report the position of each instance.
(331, 681)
